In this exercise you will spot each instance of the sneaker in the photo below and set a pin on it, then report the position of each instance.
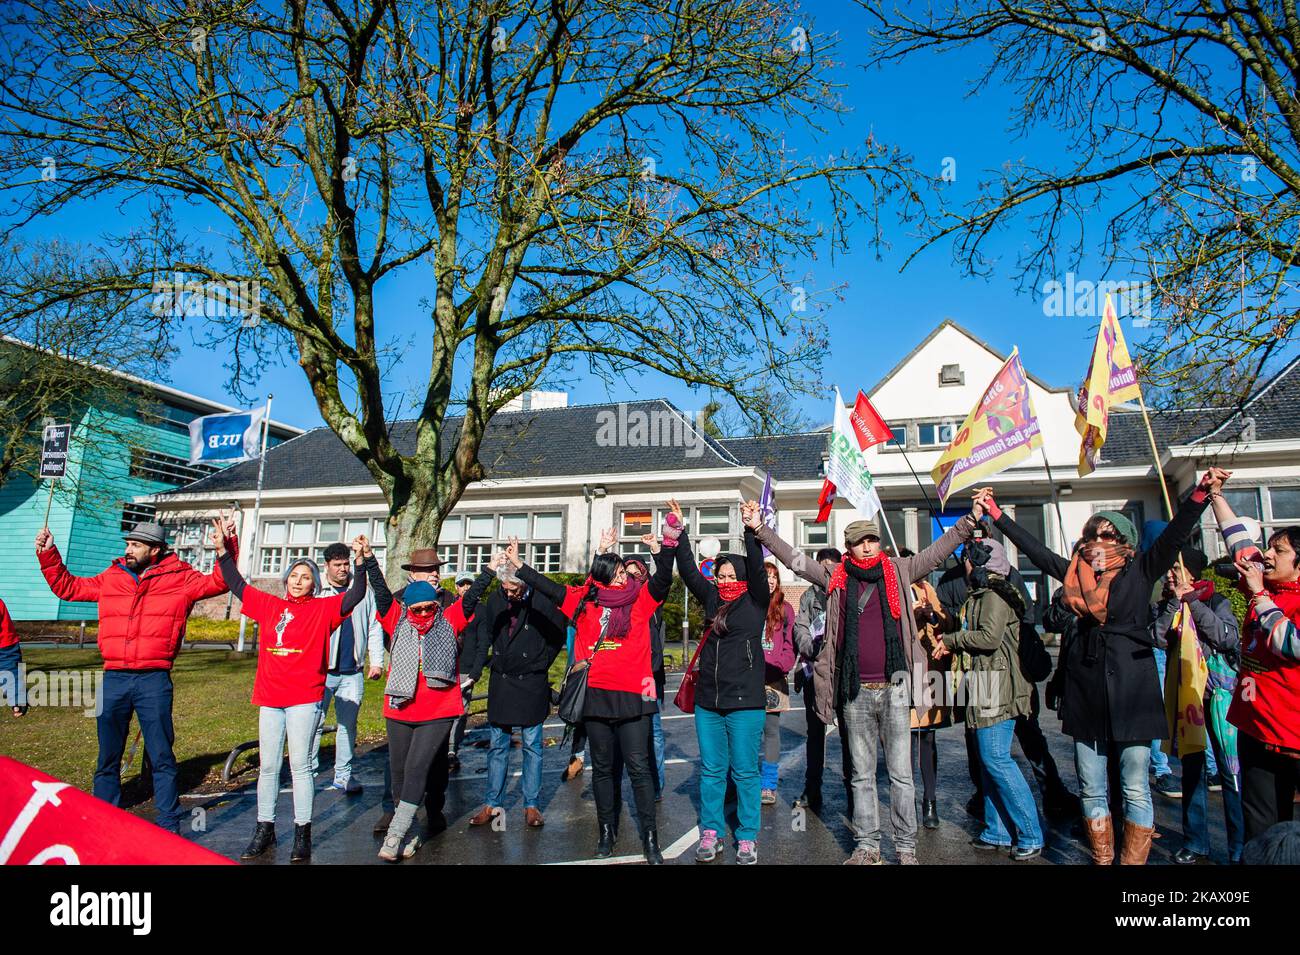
(907, 858)
(707, 850)
(746, 852)
(1168, 786)
(1216, 783)
(863, 856)
(390, 849)
(768, 798)
(336, 787)
(411, 847)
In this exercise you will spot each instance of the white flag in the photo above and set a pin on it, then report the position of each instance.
(847, 468)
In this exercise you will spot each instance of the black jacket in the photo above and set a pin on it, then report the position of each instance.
(1111, 690)
(731, 665)
(519, 693)
(953, 590)
(472, 652)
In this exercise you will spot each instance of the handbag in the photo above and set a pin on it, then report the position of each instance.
(685, 698)
(1035, 661)
(573, 691)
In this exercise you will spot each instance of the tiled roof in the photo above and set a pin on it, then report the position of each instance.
(580, 439)
(787, 457)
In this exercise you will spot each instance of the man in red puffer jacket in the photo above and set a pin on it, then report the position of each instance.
(144, 600)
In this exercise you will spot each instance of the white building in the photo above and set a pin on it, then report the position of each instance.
(558, 475)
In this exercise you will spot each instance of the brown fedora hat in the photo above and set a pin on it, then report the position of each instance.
(425, 557)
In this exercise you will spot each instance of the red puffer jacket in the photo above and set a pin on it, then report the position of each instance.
(141, 620)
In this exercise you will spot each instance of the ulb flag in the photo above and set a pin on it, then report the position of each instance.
(1000, 431)
(235, 436)
(1111, 378)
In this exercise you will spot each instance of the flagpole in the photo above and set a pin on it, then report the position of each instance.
(1155, 454)
(917, 477)
(257, 515)
(1056, 501)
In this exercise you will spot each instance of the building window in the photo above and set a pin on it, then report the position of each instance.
(133, 514)
(935, 434)
(899, 439)
(468, 541)
(709, 521)
(950, 375)
(155, 466)
(284, 541)
(813, 536)
(546, 558)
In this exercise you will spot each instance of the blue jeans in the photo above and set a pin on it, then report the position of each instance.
(657, 738)
(876, 717)
(12, 690)
(1090, 763)
(148, 694)
(1196, 802)
(298, 723)
(346, 691)
(499, 762)
(730, 741)
(1008, 801)
(1160, 759)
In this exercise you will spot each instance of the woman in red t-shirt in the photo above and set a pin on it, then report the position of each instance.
(292, 650)
(422, 697)
(611, 614)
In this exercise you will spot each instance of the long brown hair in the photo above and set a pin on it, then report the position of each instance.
(775, 606)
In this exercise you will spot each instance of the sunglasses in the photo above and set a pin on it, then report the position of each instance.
(1103, 536)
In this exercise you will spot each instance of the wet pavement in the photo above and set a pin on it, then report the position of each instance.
(342, 825)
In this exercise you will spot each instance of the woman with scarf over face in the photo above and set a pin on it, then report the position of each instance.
(1111, 702)
(611, 614)
(292, 660)
(995, 692)
(730, 695)
(1266, 702)
(422, 698)
(637, 569)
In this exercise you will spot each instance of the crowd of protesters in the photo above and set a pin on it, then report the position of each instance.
(873, 648)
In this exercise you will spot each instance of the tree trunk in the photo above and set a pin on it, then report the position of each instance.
(412, 524)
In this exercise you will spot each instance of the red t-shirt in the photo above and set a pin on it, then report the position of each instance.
(8, 635)
(428, 703)
(293, 646)
(624, 660)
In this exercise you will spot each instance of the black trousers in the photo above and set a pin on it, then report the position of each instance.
(815, 752)
(925, 746)
(412, 748)
(1268, 785)
(613, 745)
(1033, 744)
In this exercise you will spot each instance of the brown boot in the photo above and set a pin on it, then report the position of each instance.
(533, 818)
(1101, 837)
(483, 816)
(1137, 844)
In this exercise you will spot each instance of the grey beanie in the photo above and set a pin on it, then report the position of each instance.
(311, 565)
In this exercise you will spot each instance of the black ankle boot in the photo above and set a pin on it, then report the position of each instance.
(650, 843)
(263, 839)
(929, 814)
(608, 836)
(301, 844)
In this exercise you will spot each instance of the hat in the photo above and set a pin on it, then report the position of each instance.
(148, 532)
(1121, 524)
(990, 555)
(1278, 845)
(1194, 560)
(419, 592)
(426, 558)
(310, 565)
(858, 531)
(465, 577)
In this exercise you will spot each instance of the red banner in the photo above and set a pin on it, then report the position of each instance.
(868, 425)
(47, 822)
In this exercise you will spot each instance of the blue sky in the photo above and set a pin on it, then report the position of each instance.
(922, 108)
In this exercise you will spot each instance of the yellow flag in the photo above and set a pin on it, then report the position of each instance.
(1000, 431)
(1111, 378)
(1185, 677)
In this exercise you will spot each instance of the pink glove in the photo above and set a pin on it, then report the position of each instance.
(672, 530)
(991, 506)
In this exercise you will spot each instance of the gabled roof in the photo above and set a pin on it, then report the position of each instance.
(948, 322)
(787, 457)
(548, 442)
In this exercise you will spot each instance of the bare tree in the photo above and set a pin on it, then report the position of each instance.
(599, 187)
(1181, 120)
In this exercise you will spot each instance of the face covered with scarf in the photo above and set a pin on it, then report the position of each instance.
(730, 586)
(1101, 552)
(422, 606)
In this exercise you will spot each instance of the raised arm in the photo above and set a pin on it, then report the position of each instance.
(230, 574)
(662, 579)
(1156, 560)
(799, 562)
(64, 585)
(1048, 561)
(383, 596)
(223, 538)
(356, 591)
(755, 572)
(689, 571)
(461, 613)
(933, 557)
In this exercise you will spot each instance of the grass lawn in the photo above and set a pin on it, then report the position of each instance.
(212, 715)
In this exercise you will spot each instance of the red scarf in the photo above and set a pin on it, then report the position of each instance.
(730, 590)
(422, 623)
(840, 574)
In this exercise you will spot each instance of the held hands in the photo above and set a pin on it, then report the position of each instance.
(651, 541)
(44, 539)
(982, 503)
(608, 538)
(374, 673)
(751, 514)
(1212, 481)
(497, 562)
(940, 649)
(1252, 573)
(512, 553)
(218, 536)
(361, 549)
(677, 511)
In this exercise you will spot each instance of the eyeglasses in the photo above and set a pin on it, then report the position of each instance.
(1102, 536)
